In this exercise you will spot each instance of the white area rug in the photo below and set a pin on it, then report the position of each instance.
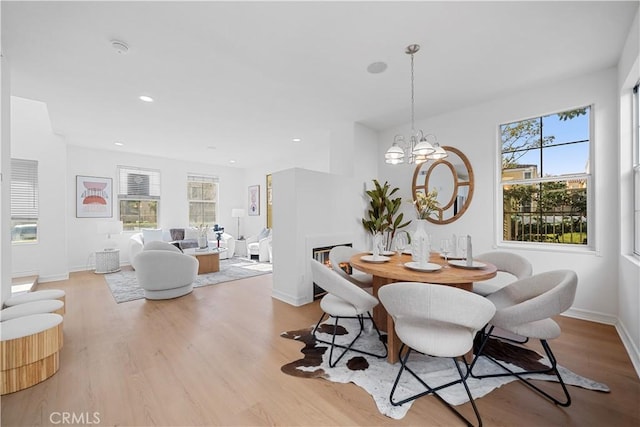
(124, 285)
(376, 376)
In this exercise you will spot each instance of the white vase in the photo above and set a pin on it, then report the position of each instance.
(420, 244)
(202, 242)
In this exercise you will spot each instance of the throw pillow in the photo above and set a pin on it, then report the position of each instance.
(152, 235)
(191, 233)
(177, 234)
(264, 234)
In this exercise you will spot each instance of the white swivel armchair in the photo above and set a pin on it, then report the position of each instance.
(164, 272)
(260, 245)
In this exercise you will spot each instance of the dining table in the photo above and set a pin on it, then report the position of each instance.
(395, 268)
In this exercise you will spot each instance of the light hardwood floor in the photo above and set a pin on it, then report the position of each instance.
(213, 358)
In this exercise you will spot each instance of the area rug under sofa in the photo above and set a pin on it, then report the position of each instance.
(124, 285)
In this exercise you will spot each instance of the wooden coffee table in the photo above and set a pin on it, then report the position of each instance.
(208, 260)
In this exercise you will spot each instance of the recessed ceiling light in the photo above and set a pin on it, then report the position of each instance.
(377, 67)
(232, 161)
(296, 140)
(118, 143)
(146, 98)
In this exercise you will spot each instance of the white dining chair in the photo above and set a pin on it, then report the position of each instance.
(342, 254)
(526, 308)
(344, 300)
(439, 321)
(511, 267)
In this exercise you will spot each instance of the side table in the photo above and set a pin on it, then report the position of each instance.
(107, 261)
(241, 247)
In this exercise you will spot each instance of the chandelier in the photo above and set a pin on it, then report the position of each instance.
(419, 149)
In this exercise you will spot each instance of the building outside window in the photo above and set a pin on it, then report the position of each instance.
(138, 197)
(202, 192)
(545, 179)
(24, 200)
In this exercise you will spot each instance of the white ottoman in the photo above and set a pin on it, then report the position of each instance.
(29, 350)
(36, 296)
(28, 308)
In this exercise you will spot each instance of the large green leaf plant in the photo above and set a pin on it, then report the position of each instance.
(382, 215)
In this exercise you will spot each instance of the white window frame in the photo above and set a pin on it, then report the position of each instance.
(148, 190)
(24, 197)
(591, 245)
(636, 169)
(195, 177)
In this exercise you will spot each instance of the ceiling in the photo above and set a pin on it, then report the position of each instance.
(240, 80)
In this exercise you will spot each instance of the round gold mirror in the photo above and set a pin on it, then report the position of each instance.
(452, 177)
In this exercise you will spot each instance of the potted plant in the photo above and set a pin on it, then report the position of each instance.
(382, 215)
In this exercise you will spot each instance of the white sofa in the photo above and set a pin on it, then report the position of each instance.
(138, 240)
(164, 272)
(260, 245)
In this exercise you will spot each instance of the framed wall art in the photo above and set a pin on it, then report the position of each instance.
(254, 200)
(94, 197)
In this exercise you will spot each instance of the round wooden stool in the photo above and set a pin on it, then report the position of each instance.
(36, 307)
(29, 350)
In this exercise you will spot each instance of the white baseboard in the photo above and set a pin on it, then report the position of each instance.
(632, 349)
(54, 278)
(289, 299)
(592, 316)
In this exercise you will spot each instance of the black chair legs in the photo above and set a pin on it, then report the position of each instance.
(434, 390)
(349, 347)
(553, 369)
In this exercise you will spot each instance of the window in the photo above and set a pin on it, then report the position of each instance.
(636, 171)
(24, 200)
(138, 197)
(545, 179)
(202, 192)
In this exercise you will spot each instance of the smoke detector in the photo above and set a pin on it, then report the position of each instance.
(120, 47)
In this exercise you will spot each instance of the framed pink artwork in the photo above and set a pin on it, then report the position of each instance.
(254, 200)
(94, 197)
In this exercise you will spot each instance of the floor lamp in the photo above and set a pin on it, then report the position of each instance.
(237, 213)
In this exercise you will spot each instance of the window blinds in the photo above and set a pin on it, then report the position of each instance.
(24, 189)
(136, 183)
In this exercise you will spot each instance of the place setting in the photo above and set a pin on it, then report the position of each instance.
(458, 253)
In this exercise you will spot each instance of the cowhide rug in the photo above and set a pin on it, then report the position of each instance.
(376, 376)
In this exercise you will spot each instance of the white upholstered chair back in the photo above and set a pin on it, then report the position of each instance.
(511, 267)
(522, 304)
(340, 287)
(342, 254)
(436, 302)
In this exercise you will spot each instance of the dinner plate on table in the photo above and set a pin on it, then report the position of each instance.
(383, 253)
(463, 264)
(426, 267)
(378, 259)
(407, 251)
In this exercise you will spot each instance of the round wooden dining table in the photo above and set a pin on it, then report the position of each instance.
(394, 270)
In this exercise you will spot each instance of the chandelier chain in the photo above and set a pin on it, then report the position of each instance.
(413, 131)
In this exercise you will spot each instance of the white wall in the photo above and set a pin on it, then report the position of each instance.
(629, 265)
(5, 185)
(33, 139)
(310, 204)
(474, 131)
(174, 211)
